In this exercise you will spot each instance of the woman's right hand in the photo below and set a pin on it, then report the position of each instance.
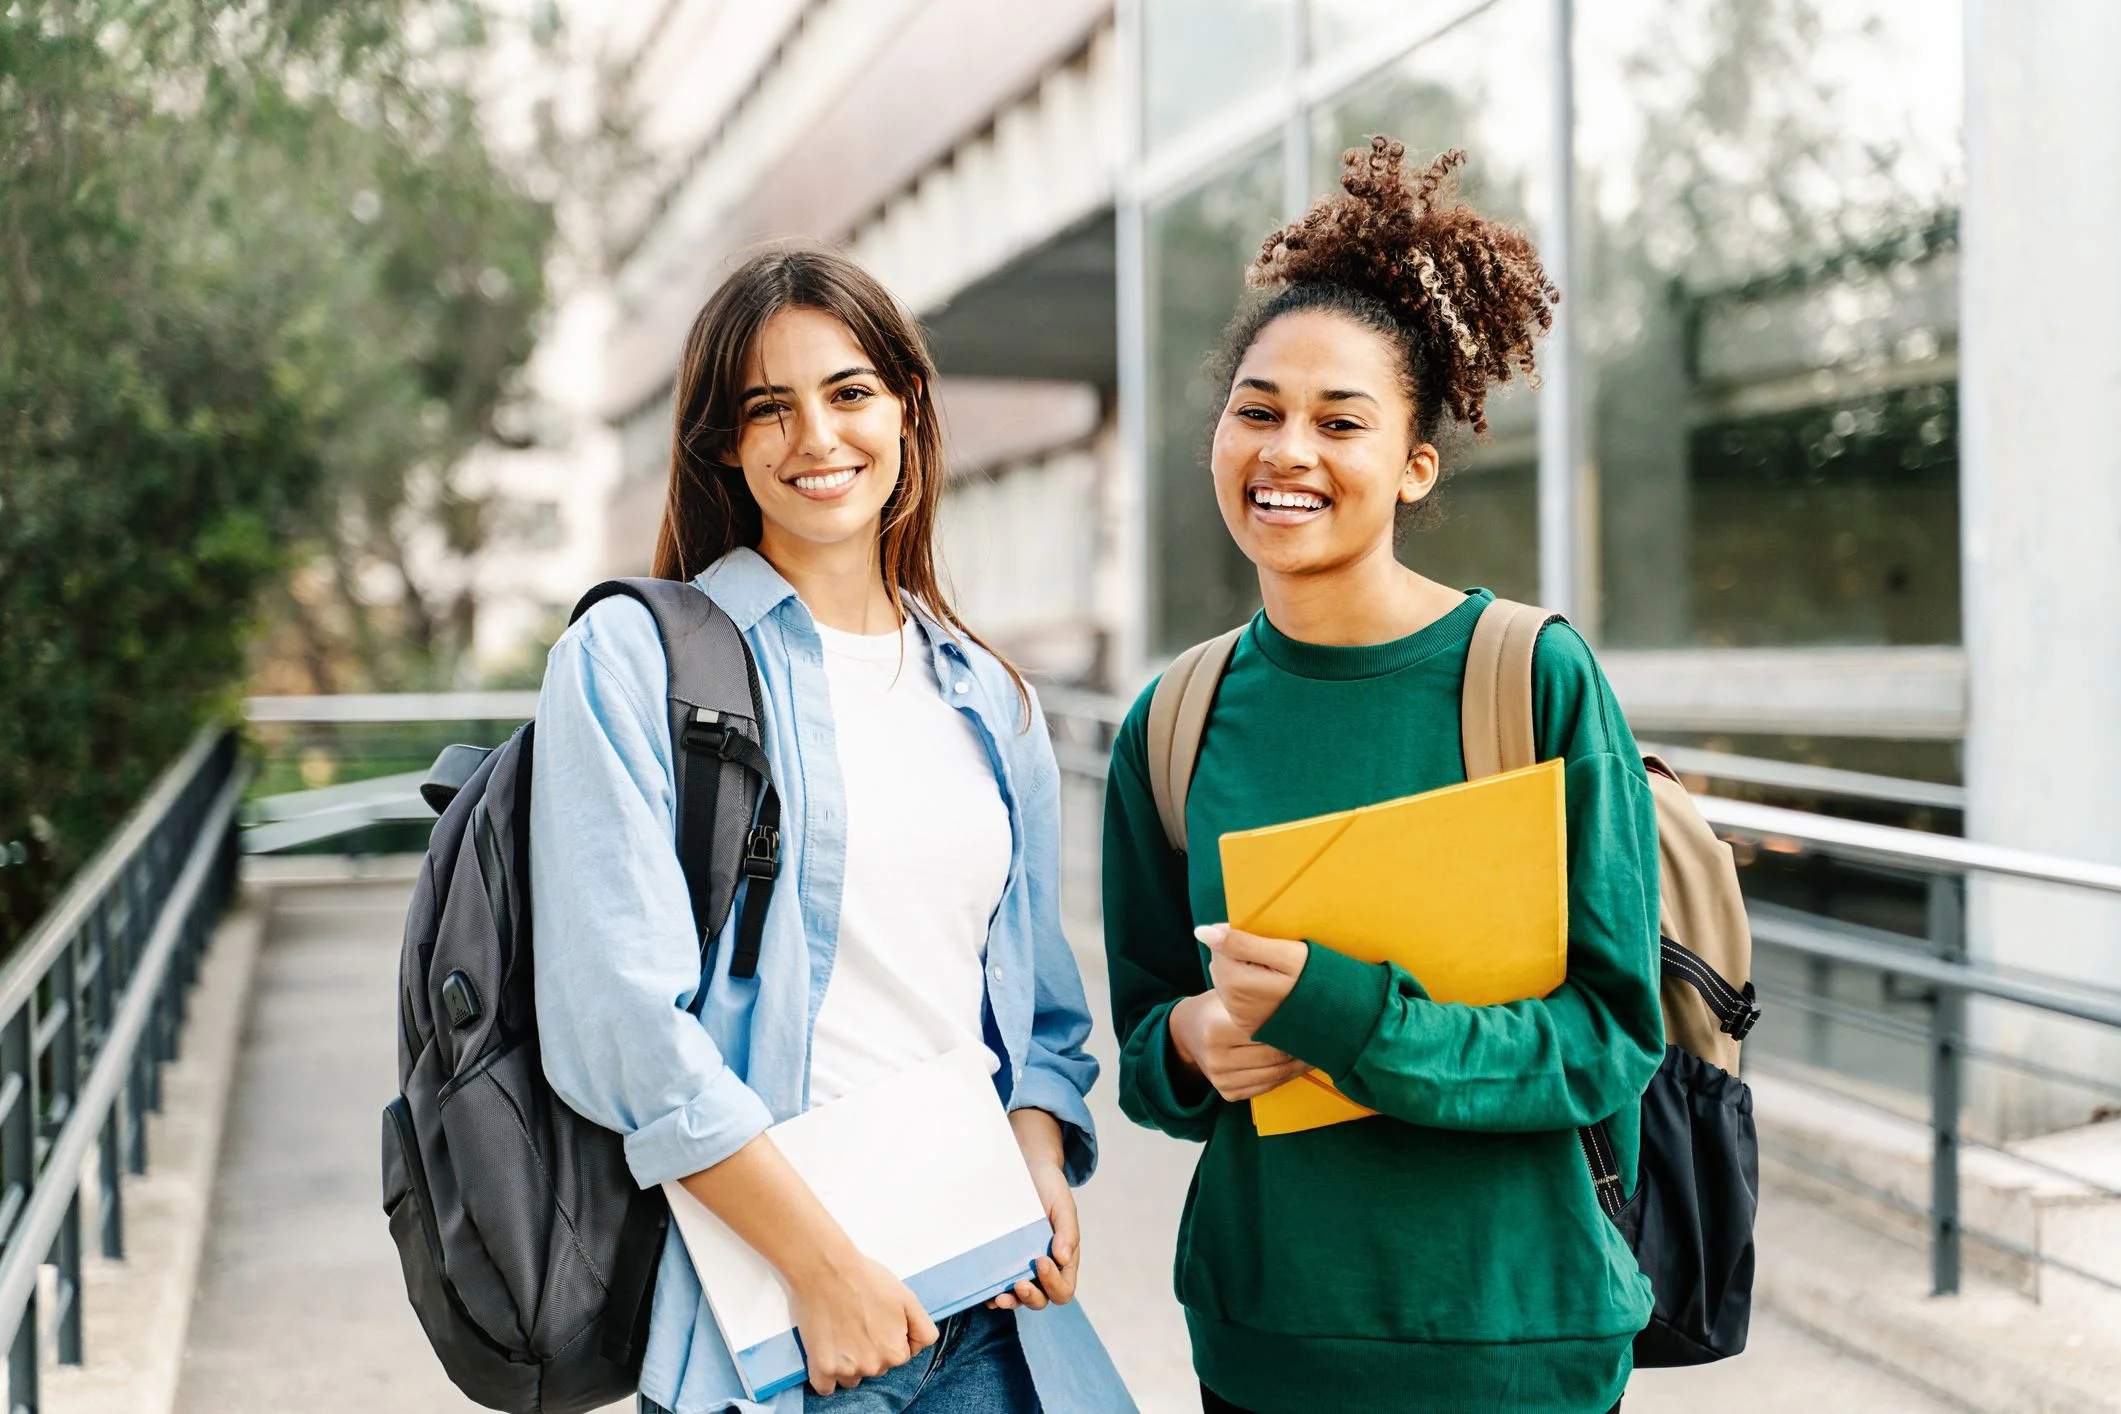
(1209, 1043)
(856, 1323)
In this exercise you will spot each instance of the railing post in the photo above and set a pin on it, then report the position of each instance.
(1947, 931)
(110, 1197)
(66, 1093)
(110, 1201)
(18, 1176)
(137, 1081)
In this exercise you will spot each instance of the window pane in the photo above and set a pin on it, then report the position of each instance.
(1198, 246)
(1345, 24)
(1768, 314)
(1199, 55)
(1478, 86)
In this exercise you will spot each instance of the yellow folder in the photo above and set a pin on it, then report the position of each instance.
(1465, 887)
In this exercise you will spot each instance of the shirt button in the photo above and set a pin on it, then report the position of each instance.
(996, 974)
(963, 688)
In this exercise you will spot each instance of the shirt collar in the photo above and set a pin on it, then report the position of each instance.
(747, 588)
(744, 586)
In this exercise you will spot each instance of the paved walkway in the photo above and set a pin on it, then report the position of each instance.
(300, 1306)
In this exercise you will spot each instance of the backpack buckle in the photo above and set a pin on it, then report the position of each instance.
(762, 852)
(1741, 1023)
(713, 731)
(707, 730)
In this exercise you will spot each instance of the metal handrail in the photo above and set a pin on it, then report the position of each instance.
(1917, 850)
(98, 987)
(31, 959)
(304, 817)
(509, 705)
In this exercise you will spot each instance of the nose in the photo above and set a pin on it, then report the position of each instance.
(1291, 448)
(815, 435)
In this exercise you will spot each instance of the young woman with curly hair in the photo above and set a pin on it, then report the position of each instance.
(918, 906)
(1449, 1253)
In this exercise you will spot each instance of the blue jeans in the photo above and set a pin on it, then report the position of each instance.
(976, 1366)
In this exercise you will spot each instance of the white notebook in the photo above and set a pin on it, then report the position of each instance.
(923, 1172)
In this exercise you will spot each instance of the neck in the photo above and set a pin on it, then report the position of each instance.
(1375, 599)
(842, 584)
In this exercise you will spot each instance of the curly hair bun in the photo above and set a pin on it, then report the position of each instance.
(1470, 290)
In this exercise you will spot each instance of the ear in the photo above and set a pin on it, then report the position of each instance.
(1420, 476)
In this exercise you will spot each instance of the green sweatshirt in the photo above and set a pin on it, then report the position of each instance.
(1447, 1254)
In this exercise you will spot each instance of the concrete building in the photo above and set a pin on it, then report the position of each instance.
(1743, 475)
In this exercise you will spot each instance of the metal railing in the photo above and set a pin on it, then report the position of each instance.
(1936, 962)
(90, 1006)
(1939, 963)
(356, 736)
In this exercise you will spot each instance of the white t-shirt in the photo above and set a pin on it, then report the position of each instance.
(927, 858)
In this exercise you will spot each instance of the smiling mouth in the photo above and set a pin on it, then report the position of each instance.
(1286, 505)
(825, 485)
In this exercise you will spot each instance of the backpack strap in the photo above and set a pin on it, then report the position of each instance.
(717, 718)
(630, 1298)
(1495, 711)
(1497, 733)
(1736, 1008)
(1604, 1163)
(1178, 714)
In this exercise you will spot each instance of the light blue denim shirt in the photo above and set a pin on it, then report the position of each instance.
(626, 1039)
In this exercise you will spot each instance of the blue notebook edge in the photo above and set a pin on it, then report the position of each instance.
(965, 1281)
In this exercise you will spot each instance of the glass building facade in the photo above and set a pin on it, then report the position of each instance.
(1758, 447)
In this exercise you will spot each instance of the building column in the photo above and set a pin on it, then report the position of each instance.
(2040, 492)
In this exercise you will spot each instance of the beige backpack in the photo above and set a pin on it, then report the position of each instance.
(1690, 1220)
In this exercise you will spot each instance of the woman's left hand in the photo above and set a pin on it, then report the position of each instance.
(1253, 975)
(1038, 1134)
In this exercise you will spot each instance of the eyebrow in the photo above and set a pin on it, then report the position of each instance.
(1331, 395)
(783, 390)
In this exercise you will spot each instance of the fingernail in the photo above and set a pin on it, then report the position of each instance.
(1211, 935)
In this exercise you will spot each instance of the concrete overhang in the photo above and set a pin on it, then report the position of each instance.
(942, 75)
(1051, 313)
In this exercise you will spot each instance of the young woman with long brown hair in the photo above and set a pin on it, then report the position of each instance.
(918, 906)
(1447, 1253)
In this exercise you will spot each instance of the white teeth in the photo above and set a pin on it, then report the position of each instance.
(823, 483)
(1288, 500)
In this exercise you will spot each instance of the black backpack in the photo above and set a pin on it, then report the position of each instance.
(530, 1254)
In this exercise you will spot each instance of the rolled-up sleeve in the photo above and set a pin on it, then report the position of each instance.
(618, 962)
(1059, 1070)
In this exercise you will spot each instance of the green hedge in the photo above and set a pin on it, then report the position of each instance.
(257, 266)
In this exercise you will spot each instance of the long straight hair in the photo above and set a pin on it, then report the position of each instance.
(710, 511)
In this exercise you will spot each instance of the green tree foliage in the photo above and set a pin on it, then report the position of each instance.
(263, 281)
